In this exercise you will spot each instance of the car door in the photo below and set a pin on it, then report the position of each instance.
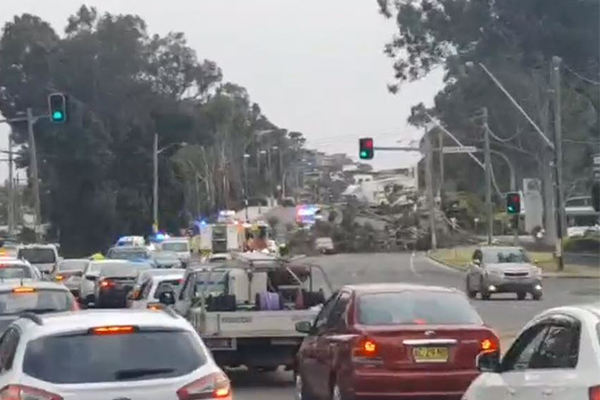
(141, 295)
(552, 372)
(184, 300)
(8, 348)
(326, 345)
(308, 360)
(520, 366)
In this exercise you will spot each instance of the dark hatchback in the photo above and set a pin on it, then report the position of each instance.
(392, 341)
(114, 283)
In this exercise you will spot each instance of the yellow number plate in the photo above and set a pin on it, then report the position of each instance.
(430, 354)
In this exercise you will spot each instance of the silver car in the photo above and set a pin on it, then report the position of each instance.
(497, 269)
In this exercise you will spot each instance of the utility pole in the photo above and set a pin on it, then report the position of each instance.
(558, 161)
(155, 185)
(34, 176)
(441, 153)
(269, 175)
(11, 187)
(245, 167)
(488, 177)
(429, 184)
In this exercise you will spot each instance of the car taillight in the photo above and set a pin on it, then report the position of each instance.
(213, 386)
(60, 278)
(366, 351)
(594, 393)
(490, 345)
(112, 330)
(106, 284)
(21, 392)
(155, 306)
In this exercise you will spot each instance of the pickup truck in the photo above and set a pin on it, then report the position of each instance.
(246, 309)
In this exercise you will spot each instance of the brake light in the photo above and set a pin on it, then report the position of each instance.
(21, 392)
(106, 284)
(490, 345)
(369, 347)
(594, 393)
(59, 277)
(213, 386)
(23, 289)
(155, 306)
(113, 330)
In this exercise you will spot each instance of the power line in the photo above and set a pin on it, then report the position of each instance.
(581, 141)
(583, 78)
(492, 134)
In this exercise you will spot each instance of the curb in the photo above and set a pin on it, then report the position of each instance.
(554, 275)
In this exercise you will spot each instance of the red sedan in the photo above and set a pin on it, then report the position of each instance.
(389, 341)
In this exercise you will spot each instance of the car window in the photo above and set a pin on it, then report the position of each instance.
(38, 255)
(38, 301)
(15, 271)
(73, 265)
(336, 318)
(520, 354)
(171, 284)
(175, 246)
(323, 315)
(416, 308)
(90, 358)
(118, 270)
(8, 348)
(559, 349)
(186, 288)
(505, 256)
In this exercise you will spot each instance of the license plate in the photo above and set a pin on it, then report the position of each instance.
(430, 354)
(220, 344)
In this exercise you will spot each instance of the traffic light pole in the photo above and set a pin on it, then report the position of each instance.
(558, 164)
(488, 178)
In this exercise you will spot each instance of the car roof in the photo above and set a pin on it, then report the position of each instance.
(575, 309)
(37, 246)
(370, 288)
(109, 261)
(163, 272)
(8, 285)
(65, 322)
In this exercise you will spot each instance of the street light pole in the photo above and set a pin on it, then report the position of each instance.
(34, 175)
(155, 184)
(560, 195)
(488, 178)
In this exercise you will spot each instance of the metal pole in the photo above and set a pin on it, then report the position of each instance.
(34, 175)
(258, 176)
(269, 174)
(558, 164)
(11, 187)
(155, 185)
(245, 167)
(429, 183)
(441, 146)
(488, 178)
(281, 174)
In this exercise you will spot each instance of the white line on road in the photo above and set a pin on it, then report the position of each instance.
(412, 264)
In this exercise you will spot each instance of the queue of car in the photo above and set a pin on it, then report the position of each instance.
(367, 341)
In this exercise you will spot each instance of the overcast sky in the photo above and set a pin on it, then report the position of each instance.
(314, 66)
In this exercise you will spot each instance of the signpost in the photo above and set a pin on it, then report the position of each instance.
(459, 149)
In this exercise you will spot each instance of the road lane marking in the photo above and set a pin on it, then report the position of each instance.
(412, 263)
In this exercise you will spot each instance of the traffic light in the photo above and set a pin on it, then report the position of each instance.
(57, 106)
(513, 203)
(365, 151)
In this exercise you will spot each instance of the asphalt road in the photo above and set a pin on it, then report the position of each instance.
(504, 313)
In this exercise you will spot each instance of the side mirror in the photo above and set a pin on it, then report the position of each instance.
(304, 327)
(477, 261)
(167, 298)
(91, 277)
(488, 362)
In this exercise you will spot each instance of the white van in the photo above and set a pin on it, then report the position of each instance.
(42, 256)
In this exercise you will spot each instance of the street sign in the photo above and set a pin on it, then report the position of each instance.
(459, 149)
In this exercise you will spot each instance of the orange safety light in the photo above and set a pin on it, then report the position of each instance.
(489, 345)
(369, 347)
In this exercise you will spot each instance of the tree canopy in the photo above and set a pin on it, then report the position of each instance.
(125, 85)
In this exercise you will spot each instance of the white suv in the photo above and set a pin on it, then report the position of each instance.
(99, 355)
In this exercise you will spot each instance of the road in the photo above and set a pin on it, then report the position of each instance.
(504, 313)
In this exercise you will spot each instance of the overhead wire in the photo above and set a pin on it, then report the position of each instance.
(578, 75)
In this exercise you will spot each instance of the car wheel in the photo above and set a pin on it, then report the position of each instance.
(301, 392)
(470, 293)
(537, 295)
(485, 295)
(521, 295)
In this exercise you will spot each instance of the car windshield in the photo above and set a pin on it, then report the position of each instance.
(38, 300)
(119, 270)
(175, 246)
(416, 308)
(170, 284)
(211, 282)
(504, 256)
(38, 255)
(72, 265)
(15, 271)
(90, 358)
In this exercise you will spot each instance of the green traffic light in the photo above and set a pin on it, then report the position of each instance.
(363, 154)
(57, 116)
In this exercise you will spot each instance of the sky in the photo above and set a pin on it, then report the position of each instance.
(313, 66)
